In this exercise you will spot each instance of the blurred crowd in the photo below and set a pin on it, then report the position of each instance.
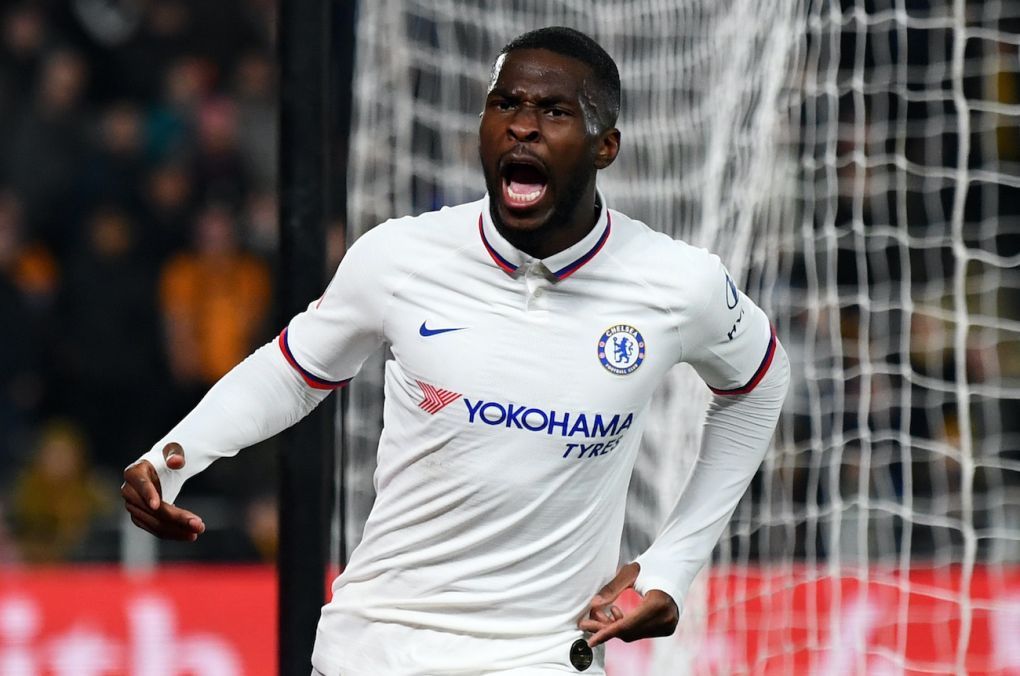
(138, 227)
(137, 235)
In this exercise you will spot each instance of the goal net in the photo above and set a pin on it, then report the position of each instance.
(856, 165)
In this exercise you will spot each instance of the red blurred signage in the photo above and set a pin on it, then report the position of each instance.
(179, 621)
(797, 621)
(221, 621)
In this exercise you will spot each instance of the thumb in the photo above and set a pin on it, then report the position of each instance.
(624, 579)
(173, 453)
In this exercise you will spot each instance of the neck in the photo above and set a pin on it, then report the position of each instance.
(559, 233)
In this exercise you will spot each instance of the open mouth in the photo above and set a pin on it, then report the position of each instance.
(523, 184)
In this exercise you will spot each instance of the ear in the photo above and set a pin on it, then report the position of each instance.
(608, 146)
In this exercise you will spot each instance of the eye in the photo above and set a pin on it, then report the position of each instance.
(501, 105)
(556, 112)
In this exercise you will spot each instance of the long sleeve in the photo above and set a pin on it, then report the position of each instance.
(321, 349)
(738, 429)
(258, 398)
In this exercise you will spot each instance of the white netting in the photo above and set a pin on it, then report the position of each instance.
(857, 165)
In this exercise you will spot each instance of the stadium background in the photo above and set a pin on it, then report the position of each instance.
(138, 245)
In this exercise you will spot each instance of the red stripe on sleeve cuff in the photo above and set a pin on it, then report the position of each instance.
(311, 379)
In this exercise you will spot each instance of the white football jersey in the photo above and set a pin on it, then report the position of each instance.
(514, 405)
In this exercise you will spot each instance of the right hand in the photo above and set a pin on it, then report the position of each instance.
(143, 499)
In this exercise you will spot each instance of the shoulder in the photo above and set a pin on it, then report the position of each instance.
(442, 226)
(669, 264)
(402, 245)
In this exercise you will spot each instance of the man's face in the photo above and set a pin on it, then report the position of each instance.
(539, 149)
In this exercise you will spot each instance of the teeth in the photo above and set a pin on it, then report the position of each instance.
(523, 197)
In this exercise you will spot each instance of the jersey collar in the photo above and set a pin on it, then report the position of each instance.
(562, 264)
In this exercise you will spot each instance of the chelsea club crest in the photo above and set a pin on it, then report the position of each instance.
(621, 349)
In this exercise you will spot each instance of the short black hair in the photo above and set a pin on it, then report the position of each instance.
(577, 45)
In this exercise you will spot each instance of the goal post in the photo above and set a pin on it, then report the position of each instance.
(856, 165)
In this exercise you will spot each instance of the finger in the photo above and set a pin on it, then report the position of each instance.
(159, 527)
(131, 497)
(142, 477)
(607, 632)
(144, 519)
(592, 626)
(609, 614)
(170, 521)
(656, 615)
(182, 517)
(627, 628)
(153, 525)
(624, 579)
(173, 454)
(598, 613)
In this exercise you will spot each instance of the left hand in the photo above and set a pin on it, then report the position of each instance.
(656, 615)
(143, 499)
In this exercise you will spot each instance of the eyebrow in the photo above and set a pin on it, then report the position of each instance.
(544, 101)
(556, 100)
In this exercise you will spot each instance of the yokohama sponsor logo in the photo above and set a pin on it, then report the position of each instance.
(533, 419)
(435, 398)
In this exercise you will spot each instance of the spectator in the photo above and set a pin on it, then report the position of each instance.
(118, 160)
(261, 229)
(218, 166)
(28, 264)
(171, 121)
(214, 301)
(161, 36)
(29, 279)
(262, 525)
(168, 209)
(23, 37)
(47, 144)
(111, 338)
(57, 497)
(255, 90)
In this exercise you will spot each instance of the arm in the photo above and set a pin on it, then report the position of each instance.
(259, 398)
(731, 344)
(737, 432)
(321, 349)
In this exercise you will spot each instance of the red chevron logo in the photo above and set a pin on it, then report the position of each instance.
(435, 399)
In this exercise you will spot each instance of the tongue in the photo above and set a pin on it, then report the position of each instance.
(522, 188)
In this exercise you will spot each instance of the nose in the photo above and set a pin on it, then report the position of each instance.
(524, 126)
